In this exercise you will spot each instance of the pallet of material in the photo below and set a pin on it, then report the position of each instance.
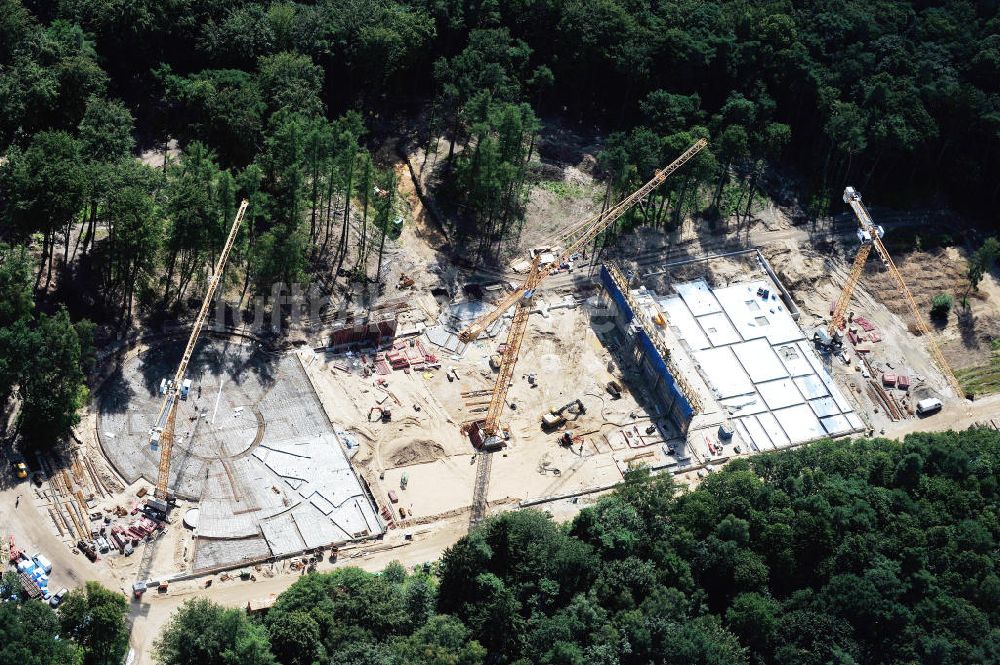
(865, 324)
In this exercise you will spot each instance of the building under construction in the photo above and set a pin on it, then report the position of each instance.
(647, 354)
(732, 352)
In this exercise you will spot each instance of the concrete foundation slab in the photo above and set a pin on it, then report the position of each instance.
(254, 449)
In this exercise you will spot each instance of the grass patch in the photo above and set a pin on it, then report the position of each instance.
(983, 379)
(562, 189)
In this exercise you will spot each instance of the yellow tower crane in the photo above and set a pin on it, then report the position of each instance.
(161, 437)
(578, 237)
(870, 235)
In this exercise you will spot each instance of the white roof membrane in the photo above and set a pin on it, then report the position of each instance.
(779, 394)
(724, 374)
(760, 438)
(684, 323)
(718, 329)
(794, 359)
(759, 361)
(698, 297)
(836, 425)
(773, 429)
(811, 386)
(800, 423)
(756, 317)
(824, 406)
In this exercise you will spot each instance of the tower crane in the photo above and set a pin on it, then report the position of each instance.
(161, 437)
(870, 235)
(578, 237)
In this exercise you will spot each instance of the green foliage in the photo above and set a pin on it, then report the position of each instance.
(106, 130)
(867, 551)
(983, 260)
(45, 184)
(205, 633)
(562, 189)
(44, 358)
(29, 635)
(490, 174)
(222, 108)
(53, 386)
(941, 305)
(94, 618)
(292, 82)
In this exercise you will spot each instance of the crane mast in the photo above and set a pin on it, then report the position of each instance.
(578, 237)
(492, 435)
(870, 236)
(162, 435)
(868, 233)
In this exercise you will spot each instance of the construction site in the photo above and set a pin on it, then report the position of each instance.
(431, 411)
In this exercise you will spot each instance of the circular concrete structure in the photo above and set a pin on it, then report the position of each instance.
(253, 446)
(221, 418)
(191, 518)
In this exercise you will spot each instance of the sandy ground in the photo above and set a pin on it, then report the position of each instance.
(424, 442)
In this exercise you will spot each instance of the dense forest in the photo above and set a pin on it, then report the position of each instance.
(291, 105)
(865, 551)
(90, 627)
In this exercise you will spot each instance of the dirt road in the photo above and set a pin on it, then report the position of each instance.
(952, 417)
(33, 532)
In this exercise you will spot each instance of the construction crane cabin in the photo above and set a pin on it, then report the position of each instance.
(870, 235)
(161, 436)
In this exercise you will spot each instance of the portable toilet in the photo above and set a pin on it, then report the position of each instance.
(185, 388)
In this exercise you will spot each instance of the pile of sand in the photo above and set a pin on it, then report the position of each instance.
(415, 451)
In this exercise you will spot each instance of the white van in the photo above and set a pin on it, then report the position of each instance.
(925, 407)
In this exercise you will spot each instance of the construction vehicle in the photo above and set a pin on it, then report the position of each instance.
(382, 414)
(161, 436)
(826, 341)
(489, 434)
(556, 417)
(870, 237)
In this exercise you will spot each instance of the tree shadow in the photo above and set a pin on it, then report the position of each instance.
(115, 393)
(633, 378)
(967, 328)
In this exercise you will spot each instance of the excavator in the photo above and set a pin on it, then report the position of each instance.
(556, 417)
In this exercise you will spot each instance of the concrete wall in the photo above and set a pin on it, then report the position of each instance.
(662, 385)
